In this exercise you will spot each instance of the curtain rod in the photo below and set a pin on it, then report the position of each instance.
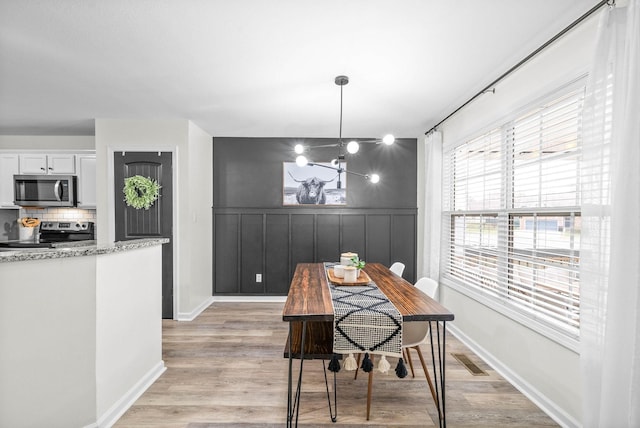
(527, 58)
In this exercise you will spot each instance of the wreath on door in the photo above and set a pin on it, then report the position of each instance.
(140, 192)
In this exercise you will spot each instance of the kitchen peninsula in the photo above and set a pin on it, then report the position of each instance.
(80, 332)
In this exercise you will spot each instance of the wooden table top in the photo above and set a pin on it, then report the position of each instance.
(310, 299)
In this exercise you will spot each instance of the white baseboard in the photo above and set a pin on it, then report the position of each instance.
(258, 299)
(111, 416)
(541, 400)
(190, 316)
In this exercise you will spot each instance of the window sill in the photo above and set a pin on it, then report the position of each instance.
(561, 338)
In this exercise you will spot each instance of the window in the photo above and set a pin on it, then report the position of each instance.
(512, 213)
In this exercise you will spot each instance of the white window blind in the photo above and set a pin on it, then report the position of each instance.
(512, 213)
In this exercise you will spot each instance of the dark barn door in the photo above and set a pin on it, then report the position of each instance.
(156, 222)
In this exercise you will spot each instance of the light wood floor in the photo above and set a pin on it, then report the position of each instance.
(226, 369)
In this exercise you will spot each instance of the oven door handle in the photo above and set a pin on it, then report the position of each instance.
(57, 191)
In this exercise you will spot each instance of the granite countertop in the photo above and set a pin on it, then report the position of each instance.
(77, 249)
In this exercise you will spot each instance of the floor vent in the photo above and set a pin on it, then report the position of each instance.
(470, 365)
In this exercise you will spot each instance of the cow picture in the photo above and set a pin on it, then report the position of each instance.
(311, 185)
(311, 191)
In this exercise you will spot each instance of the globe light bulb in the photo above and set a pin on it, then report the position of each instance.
(334, 162)
(388, 139)
(375, 178)
(301, 161)
(299, 149)
(353, 147)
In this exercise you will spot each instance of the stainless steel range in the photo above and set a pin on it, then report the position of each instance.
(57, 233)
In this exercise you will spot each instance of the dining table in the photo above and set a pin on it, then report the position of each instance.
(310, 314)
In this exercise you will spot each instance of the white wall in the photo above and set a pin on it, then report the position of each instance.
(80, 337)
(128, 326)
(193, 189)
(543, 369)
(47, 343)
(198, 221)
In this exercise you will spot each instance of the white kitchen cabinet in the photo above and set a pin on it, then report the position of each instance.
(33, 164)
(9, 165)
(86, 166)
(37, 163)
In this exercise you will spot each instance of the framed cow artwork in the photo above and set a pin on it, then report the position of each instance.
(318, 184)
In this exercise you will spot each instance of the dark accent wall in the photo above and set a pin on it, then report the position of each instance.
(255, 234)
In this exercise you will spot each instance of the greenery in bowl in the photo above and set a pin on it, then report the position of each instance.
(357, 263)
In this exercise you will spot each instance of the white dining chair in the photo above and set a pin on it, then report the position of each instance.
(414, 334)
(428, 286)
(397, 268)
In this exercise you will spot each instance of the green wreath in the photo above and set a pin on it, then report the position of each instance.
(140, 192)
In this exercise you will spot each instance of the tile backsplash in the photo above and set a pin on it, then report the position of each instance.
(59, 214)
(9, 228)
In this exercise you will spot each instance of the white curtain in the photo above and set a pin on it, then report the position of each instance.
(610, 243)
(432, 203)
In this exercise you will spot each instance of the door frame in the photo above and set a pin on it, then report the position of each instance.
(175, 241)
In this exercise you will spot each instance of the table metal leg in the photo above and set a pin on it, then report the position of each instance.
(443, 354)
(439, 369)
(333, 413)
(293, 404)
(293, 398)
(289, 376)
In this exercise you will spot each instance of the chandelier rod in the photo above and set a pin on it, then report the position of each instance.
(340, 134)
(339, 170)
(302, 160)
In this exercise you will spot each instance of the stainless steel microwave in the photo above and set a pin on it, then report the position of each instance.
(45, 190)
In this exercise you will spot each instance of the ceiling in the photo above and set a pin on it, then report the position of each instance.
(257, 68)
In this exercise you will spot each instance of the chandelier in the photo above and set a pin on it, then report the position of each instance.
(352, 147)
